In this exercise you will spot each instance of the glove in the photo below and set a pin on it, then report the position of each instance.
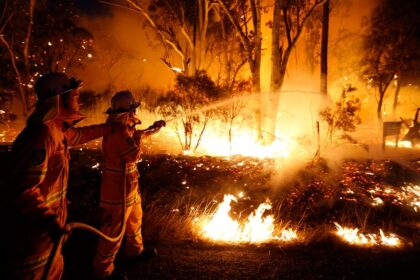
(159, 124)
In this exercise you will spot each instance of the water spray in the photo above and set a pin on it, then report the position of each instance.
(230, 100)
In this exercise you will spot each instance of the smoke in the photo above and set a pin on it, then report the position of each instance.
(127, 56)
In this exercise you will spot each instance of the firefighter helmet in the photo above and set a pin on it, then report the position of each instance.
(53, 84)
(122, 102)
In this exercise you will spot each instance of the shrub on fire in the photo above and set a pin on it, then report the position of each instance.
(186, 103)
(343, 116)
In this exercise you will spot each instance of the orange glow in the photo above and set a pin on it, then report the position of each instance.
(220, 226)
(352, 236)
(244, 143)
(401, 144)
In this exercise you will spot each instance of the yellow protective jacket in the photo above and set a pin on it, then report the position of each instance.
(36, 193)
(121, 152)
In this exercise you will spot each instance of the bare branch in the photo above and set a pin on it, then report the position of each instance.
(243, 38)
(137, 8)
(28, 35)
(16, 70)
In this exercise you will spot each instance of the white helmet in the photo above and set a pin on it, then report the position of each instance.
(122, 102)
(53, 84)
(47, 89)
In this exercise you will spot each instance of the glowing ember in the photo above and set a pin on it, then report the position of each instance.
(411, 196)
(360, 187)
(377, 201)
(352, 236)
(256, 229)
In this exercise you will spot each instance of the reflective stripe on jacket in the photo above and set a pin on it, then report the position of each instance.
(121, 152)
(37, 188)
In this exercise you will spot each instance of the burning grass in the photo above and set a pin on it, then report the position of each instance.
(236, 200)
(354, 237)
(219, 200)
(219, 226)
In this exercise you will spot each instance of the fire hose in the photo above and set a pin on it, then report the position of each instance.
(68, 228)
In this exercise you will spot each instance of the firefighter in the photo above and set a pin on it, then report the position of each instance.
(35, 197)
(121, 152)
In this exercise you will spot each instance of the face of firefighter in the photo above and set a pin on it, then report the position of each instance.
(69, 107)
(133, 120)
(70, 101)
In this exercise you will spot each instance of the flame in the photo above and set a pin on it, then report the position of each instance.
(245, 144)
(352, 236)
(401, 144)
(256, 229)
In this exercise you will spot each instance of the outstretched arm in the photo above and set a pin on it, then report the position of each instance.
(80, 135)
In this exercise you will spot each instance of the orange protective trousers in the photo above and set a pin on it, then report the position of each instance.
(121, 152)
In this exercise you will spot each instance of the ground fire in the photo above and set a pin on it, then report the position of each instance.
(255, 229)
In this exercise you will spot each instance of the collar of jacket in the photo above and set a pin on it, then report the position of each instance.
(67, 122)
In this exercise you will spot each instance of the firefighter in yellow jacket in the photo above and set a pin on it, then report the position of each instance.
(121, 152)
(35, 197)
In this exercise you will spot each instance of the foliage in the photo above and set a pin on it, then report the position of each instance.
(39, 37)
(391, 45)
(344, 116)
(187, 102)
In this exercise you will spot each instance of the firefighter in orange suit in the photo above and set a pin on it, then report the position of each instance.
(121, 152)
(35, 198)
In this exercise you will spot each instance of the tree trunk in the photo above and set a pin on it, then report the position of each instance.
(256, 88)
(225, 54)
(276, 49)
(256, 64)
(201, 135)
(28, 35)
(379, 108)
(204, 21)
(324, 47)
(276, 77)
(383, 85)
(396, 94)
(281, 53)
(230, 137)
